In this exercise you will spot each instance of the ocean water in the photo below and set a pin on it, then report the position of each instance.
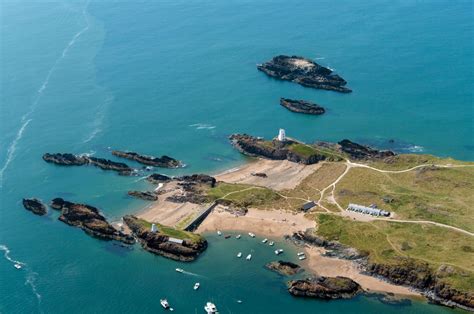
(176, 78)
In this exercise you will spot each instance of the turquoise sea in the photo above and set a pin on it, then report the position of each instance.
(177, 77)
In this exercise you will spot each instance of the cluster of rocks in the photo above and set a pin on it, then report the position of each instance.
(66, 159)
(403, 271)
(302, 106)
(304, 72)
(163, 161)
(144, 195)
(284, 268)
(324, 287)
(89, 219)
(160, 244)
(35, 206)
(276, 150)
(357, 151)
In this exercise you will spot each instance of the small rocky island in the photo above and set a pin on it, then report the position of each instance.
(302, 106)
(304, 72)
(35, 206)
(67, 159)
(284, 268)
(326, 288)
(166, 241)
(163, 161)
(88, 219)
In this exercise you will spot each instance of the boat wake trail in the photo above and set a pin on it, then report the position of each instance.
(202, 126)
(25, 120)
(193, 274)
(31, 276)
(99, 119)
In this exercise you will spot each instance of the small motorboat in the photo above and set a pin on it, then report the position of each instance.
(164, 303)
(17, 266)
(264, 240)
(219, 233)
(238, 236)
(239, 255)
(210, 308)
(179, 270)
(249, 257)
(279, 251)
(271, 243)
(300, 253)
(239, 301)
(196, 285)
(302, 257)
(252, 234)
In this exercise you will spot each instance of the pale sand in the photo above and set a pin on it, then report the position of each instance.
(277, 223)
(281, 174)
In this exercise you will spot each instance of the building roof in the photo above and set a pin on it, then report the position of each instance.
(308, 205)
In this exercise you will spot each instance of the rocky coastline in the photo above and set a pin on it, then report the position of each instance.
(304, 72)
(144, 195)
(275, 150)
(88, 219)
(284, 268)
(67, 159)
(302, 106)
(162, 162)
(35, 206)
(357, 151)
(326, 288)
(162, 244)
(405, 271)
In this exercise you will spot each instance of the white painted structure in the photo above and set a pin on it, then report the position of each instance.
(282, 135)
(174, 240)
(154, 228)
(368, 210)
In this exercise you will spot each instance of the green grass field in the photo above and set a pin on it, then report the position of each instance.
(243, 194)
(171, 232)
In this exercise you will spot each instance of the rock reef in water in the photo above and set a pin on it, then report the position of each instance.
(284, 268)
(35, 206)
(304, 72)
(276, 150)
(158, 178)
(90, 220)
(326, 288)
(185, 249)
(147, 195)
(163, 161)
(302, 106)
(66, 159)
(358, 151)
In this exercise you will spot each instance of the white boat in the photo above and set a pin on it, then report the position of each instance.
(17, 266)
(179, 270)
(264, 240)
(249, 257)
(300, 253)
(239, 255)
(219, 233)
(239, 301)
(271, 243)
(238, 236)
(210, 308)
(164, 303)
(196, 285)
(302, 257)
(252, 234)
(279, 251)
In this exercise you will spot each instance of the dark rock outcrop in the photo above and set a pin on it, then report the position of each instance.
(324, 288)
(146, 195)
(302, 106)
(188, 197)
(35, 206)
(158, 243)
(275, 150)
(88, 219)
(284, 268)
(163, 161)
(158, 178)
(357, 151)
(304, 72)
(80, 160)
(198, 179)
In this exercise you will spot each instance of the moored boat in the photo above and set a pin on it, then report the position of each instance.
(238, 236)
(249, 257)
(239, 255)
(264, 240)
(17, 266)
(210, 308)
(179, 270)
(271, 243)
(252, 234)
(219, 233)
(196, 285)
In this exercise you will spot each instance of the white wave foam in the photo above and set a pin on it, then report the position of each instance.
(99, 119)
(203, 126)
(25, 120)
(31, 276)
(416, 149)
(319, 58)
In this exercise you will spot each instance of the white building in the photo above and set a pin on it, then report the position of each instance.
(154, 228)
(282, 135)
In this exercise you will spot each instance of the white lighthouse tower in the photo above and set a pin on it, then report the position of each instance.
(154, 228)
(282, 135)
